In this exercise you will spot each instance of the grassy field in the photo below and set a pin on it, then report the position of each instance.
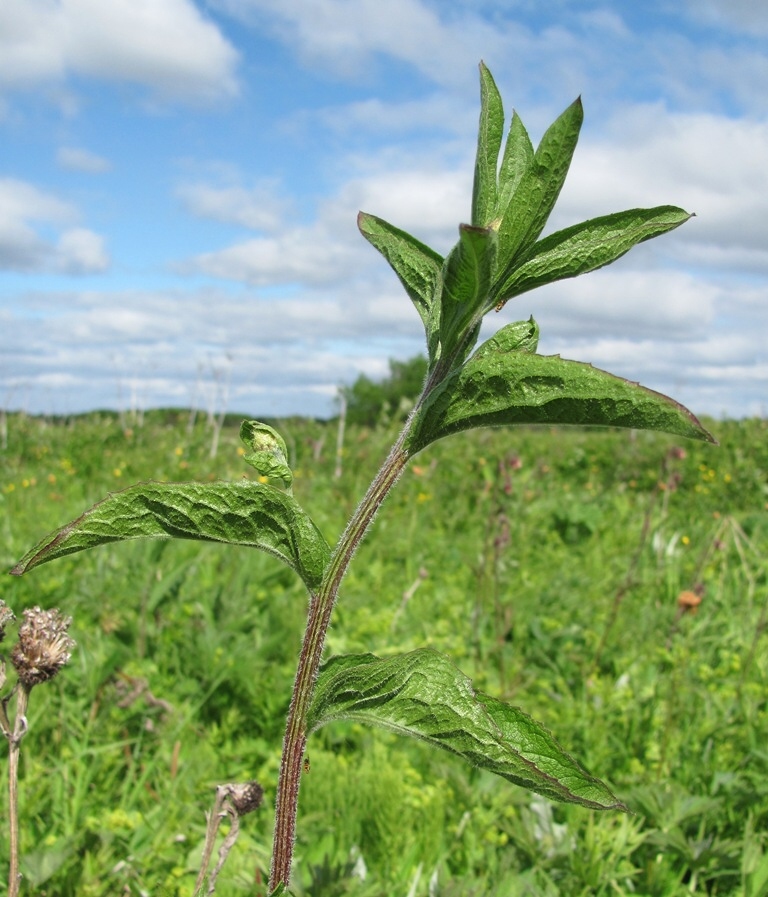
(559, 570)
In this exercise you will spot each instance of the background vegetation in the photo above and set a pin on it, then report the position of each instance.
(561, 570)
(378, 402)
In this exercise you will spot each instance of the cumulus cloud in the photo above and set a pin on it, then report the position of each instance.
(164, 45)
(80, 251)
(430, 201)
(27, 215)
(301, 302)
(282, 356)
(344, 36)
(298, 255)
(257, 208)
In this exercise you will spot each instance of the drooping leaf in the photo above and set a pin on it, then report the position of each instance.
(424, 695)
(268, 453)
(467, 273)
(417, 266)
(502, 385)
(240, 513)
(538, 189)
(587, 246)
(489, 136)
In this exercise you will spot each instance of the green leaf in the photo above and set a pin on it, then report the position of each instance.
(268, 455)
(467, 273)
(502, 384)
(241, 513)
(424, 695)
(538, 189)
(417, 266)
(587, 246)
(489, 136)
(518, 158)
(520, 336)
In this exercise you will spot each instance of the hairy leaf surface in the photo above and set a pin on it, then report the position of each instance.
(587, 246)
(417, 266)
(489, 137)
(538, 189)
(240, 513)
(467, 273)
(424, 695)
(504, 383)
(517, 159)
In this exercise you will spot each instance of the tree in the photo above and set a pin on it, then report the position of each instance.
(370, 402)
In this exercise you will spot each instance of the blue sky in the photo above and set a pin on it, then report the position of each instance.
(179, 183)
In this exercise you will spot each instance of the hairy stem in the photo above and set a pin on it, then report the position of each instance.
(321, 608)
(14, 749)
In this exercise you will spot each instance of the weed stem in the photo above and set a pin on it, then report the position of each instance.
(14, 751)
(321, 608)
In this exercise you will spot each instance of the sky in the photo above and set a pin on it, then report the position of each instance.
(179, 185)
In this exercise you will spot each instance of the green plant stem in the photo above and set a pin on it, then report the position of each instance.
(14, 750)
(319, 617)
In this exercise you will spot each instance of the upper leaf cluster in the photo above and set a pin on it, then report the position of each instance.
(500, 255)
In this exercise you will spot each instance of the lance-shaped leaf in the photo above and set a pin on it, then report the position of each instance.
(489, 136)
(417, 266)
(517, 159)
(501, 385)
(587, 246)
(538, 189)
(467, 273)
(424, 695)
(240, 513)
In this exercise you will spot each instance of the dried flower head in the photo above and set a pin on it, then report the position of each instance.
(43, 646)
(246, 797)
(6, 616)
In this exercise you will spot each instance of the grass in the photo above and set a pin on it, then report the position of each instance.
(548, 566)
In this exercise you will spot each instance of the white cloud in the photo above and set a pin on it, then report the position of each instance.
(165, 45)
(284, 356)
(288, 354)
(258, 208)
(344, 36)
(80, 251)
(27, 215)
(306, 255)
(78, 159)
(429, 201)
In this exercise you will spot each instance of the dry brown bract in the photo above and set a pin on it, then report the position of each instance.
(43, 646)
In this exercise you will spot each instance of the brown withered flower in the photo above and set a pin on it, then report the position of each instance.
(246, 797)
(43, 646)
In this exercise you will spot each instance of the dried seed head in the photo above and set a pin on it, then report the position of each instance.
(246, 797)
(43, 646)
(6, 616)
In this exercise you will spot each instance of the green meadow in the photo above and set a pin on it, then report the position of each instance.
(612, 584)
